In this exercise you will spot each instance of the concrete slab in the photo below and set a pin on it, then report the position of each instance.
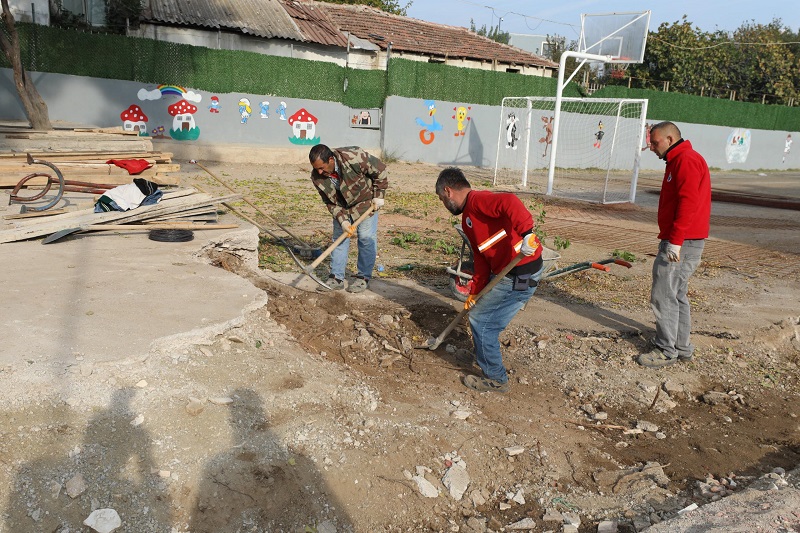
(109, 297)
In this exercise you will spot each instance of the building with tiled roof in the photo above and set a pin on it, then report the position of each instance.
(353, 35)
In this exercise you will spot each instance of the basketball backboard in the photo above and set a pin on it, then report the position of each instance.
(622, 36)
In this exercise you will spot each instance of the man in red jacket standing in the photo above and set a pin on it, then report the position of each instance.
(684, 212)
(498, 226)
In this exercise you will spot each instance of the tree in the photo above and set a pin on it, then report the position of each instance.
(120, 14)
(492, 33)
(390, 6)
(32, 102)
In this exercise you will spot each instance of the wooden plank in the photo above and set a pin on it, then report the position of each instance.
(86, 155)
(86, 217)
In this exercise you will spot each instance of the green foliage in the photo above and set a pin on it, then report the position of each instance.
(624, 255)
(749, 63)
(122, 13)
(492, 33)
(560, 243)
(390, 6)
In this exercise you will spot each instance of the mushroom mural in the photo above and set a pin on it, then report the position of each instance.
(134, 119)
(183, 127)
(304, 126)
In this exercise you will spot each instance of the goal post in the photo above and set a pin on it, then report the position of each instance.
(592, 155)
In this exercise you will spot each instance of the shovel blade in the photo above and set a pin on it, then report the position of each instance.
(60, 234)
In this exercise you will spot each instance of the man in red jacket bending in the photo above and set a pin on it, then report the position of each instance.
(684, 210)
(498, 227)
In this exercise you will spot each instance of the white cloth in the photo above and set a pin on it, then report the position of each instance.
(126, 196)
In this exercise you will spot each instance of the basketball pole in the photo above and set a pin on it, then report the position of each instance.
(559, 94)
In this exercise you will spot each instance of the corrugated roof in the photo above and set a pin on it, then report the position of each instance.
(262, 18)
(421, 37)
(314, 23)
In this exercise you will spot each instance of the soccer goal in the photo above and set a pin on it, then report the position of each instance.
(597, 154)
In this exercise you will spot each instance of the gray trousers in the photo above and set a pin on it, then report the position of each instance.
(669, 300)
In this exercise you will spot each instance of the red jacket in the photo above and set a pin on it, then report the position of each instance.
(684, 207)
(494, 223)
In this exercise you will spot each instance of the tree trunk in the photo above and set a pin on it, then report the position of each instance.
(32, 102)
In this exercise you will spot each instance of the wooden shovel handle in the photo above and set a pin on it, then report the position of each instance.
(339, 240)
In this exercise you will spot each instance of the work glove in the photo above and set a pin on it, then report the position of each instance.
(529, 244)
(673, 253)
(377, 203)
(471, 301)
(348, 228)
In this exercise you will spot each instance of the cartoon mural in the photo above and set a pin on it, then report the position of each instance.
(304, 127)
(244, 109)
(787, 147)
(426, 134)
(183, 126)
(598, 136)
(214, 107)
(548, 133)
(158, 132)
(134, 119)
(738, 146)
(460, 117)
(282, 110)
(264, 109)
(511, 131)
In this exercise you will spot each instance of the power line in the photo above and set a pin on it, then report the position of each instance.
(725, 43)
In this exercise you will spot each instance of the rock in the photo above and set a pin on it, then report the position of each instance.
(456, 480)
(476, 525)
(425, 487)
(644, 425)
(221, 400)
(477, 498)
(518, 497)
(142, 384)
(569, 528)
(522, 525)
(647, 386)
(103, 520)
(461, 414)
(572, 519)
(672, 387)
(715, 398)
(195, 406)
(76, 486)
(607, 526)
(602, 415)
(514, 450)
(136, 422)
(326, 527)
(553, 516)
(505, 506)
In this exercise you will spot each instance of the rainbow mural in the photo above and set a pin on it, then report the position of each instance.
(171, 89)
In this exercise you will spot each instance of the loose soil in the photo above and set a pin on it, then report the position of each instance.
(321, 413)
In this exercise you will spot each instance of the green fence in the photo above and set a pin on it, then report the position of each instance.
(678, 107)
(46, 49)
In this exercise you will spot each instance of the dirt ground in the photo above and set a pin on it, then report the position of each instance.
(318, 414)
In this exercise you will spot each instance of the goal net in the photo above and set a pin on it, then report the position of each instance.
(599, 146)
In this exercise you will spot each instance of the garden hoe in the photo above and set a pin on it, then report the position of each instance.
(434, 343)
(303, 249)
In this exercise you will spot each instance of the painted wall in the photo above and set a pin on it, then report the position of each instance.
(456, 133)
(183, 116)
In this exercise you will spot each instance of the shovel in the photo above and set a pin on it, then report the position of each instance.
(131, 227)
(310, 268)
(432, 343)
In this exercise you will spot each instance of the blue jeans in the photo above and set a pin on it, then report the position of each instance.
(669, 300)
(490, 316)
(367, 248)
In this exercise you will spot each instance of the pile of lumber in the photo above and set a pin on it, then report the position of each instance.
(179, 206)
(81, 155)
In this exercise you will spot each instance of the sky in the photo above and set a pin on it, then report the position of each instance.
(563, 17)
